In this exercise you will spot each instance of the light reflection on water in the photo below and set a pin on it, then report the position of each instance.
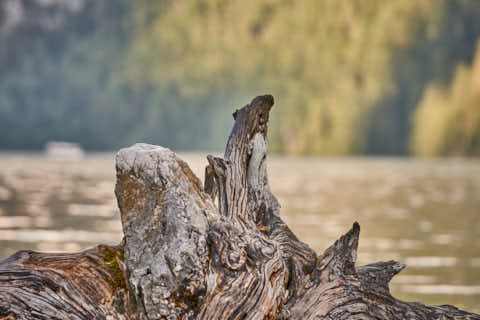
(425, 213)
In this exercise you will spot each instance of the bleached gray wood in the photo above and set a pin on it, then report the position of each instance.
(165, 217)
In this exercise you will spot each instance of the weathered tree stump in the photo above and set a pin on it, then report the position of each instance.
(219, 251)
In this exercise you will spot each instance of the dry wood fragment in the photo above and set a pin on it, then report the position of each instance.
(218, 251)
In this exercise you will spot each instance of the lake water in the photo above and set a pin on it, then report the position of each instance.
(424, 213)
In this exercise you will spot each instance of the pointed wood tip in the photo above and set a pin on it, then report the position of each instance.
(351, 240)
(342, 255)
(379, 274)
(349, 245)
(265, 100)
(354, 232)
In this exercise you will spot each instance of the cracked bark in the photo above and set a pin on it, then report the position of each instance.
(218, 251)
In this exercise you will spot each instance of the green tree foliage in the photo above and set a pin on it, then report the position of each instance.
(347, 75)
(445, 38)
(58, 76)
(447, 121)
(327, 62)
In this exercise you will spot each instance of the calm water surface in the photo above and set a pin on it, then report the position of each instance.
(424, 213)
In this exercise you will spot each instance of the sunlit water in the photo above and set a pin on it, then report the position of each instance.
(425, 213)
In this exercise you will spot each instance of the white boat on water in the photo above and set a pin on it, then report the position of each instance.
(64, 150)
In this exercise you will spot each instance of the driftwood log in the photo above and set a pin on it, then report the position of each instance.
(218, 251)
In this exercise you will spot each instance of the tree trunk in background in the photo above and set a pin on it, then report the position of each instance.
(218, 251)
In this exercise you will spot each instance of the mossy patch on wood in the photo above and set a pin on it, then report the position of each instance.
(111, 256)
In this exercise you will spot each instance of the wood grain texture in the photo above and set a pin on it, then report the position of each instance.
(217, 251)
(84, 285)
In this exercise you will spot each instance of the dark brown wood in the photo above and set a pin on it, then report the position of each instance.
(84, 285)
(218, 251)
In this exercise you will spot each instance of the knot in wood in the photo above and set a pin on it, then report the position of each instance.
(260, 249)
(228, 246)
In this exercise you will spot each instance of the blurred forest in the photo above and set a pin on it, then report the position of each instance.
(350, 77)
